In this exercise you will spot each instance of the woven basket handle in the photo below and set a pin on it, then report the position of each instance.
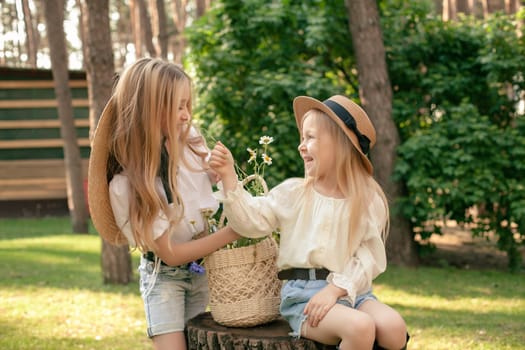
(245, 181)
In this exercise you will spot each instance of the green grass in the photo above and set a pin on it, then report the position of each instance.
(52, 297)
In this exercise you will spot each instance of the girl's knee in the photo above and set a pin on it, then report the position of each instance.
(363, 328)
(392, 335)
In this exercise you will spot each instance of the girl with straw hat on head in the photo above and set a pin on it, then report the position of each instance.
(149, 185)
(333, 225)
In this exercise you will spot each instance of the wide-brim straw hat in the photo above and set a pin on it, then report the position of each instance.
(350, 117)
(98, 186)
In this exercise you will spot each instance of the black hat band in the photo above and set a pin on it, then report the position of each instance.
(349, 120)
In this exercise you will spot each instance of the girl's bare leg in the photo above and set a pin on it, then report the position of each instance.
(170, 341)
(391, 330)
(350, 328)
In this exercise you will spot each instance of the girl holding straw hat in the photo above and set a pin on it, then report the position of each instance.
(149, 186)
(333, 225)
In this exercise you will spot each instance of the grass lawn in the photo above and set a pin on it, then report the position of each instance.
(52, 297)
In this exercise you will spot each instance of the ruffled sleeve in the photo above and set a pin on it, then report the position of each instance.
(368, 261)
(258, 216)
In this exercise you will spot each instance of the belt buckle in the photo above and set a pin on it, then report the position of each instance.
(311, 274)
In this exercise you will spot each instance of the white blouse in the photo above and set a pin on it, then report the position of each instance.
(195, 190)
(313, 232)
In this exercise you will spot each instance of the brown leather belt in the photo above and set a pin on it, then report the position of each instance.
(303, 274)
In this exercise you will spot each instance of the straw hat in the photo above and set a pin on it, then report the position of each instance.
(348, 115)
(98, 188)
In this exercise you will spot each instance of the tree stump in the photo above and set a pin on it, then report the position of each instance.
(203, 333)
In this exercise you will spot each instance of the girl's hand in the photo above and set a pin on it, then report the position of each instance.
(213, 176)
(221, 161)
(319, 305)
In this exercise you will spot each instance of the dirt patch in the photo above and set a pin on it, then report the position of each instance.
(456, 247)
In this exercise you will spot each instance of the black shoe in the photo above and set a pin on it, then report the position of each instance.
(379, 347)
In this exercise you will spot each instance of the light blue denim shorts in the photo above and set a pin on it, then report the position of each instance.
(176, 296)
(295, 294)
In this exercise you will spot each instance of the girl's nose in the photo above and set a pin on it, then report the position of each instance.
(184, 116)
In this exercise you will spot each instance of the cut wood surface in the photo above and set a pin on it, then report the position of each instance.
(203, 333)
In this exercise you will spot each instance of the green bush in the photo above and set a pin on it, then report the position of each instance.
(457, 91)
(252, 58)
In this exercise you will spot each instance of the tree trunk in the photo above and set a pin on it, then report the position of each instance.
(445, 11)
(115, 261)
(179, 19)
(511, 6)
(158, 20)
(453, 10)
(470, 7)
(485, 6)
(98, 60)
(145, 25)
(202, 6)
(54, 14)
(450, 10)
(376, 97)
(31, 34)
(136, 27)
(203, 333)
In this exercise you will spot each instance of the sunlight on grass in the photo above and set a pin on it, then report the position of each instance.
(76, 314)
(52, 298)
(456, 309)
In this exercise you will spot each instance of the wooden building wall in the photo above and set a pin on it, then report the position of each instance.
(32, 172)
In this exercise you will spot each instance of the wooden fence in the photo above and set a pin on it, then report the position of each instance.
(31, 148)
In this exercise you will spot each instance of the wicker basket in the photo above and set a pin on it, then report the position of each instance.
(243, 283)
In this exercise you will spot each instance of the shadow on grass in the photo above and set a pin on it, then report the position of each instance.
(108, 343)
(57, 267)
(11, 229)
(21, 336)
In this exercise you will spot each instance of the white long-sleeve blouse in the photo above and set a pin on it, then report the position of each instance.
(313, 232)
(196, 191)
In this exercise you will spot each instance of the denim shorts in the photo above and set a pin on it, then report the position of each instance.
(295, 294)
(176, 296)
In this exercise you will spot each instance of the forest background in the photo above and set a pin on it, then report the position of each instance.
(455, 69)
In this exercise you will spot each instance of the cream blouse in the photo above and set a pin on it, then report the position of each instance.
(313, 232)
(195, 189)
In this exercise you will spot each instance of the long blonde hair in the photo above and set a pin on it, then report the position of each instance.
(353, 179)
(145, 100)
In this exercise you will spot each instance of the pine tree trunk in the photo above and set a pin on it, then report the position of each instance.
(31, 34)
(115, 261)
(145, 24)
(54, 14)
(202, 7)
(136, 27)
(158, 20)
(179, 20)
(376, 97)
